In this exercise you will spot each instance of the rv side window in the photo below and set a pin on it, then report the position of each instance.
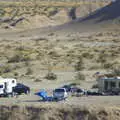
(1, 86)
(119, 84)
(113, 84)
(13, 81)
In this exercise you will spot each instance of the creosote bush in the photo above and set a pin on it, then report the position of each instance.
(79, 64)
(95, 86)
(101, 58)
(18, 58)
(29, 71)
(51, 76)
(107, 65)
(116, 72)
(79, 76)
(5, 69)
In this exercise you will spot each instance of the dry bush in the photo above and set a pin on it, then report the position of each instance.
(19, 57)
(29, 71)
(108, 65)
(79, 65)
(95, 86)
(51, 76)
(116, 72)
(5, 69)
(16, 74)
(101, 58)
(79, 76)
(87, 55)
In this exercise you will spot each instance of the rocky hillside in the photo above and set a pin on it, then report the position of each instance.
(109, 12)
(42, 13)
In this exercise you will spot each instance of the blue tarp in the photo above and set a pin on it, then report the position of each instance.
(43, 95)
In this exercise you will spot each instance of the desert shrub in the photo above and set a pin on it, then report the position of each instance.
(37, 80)
(79, 65)
(107, 65)
(29, 71)
(116, 72)
(87, 55)
(51, 76)
(101, 58)
(5, 69)
(18, 58)
(94, 67)
(95, 86)
(20, 48)
(15, 58)
(16, 74)
(51, 11)
(27, 63)
(79, 76)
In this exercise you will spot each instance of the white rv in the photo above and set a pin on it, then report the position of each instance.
(6, 86)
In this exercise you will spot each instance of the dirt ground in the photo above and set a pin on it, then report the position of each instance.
(88, 41)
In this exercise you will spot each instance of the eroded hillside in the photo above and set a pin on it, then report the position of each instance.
(42, 13)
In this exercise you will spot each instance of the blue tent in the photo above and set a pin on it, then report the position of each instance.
(44, 96)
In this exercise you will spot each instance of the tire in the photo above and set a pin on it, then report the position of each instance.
(13, 94)
(9, 95)
(27, 92)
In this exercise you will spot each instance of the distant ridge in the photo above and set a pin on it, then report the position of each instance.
(109, 12)
(105, 17)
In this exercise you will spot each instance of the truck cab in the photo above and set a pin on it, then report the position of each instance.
(60, 93)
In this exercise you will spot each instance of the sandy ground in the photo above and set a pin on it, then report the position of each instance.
(65, 77)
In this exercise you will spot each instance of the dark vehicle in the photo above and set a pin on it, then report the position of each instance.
(77, 91)
(67, 87)
(21, 88)
(94, 93)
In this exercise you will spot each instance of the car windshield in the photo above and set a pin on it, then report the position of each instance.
(79, 90)
(59, 90)
(19, 85)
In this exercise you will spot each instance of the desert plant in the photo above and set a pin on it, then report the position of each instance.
(79, 76)
(95, 86)
(107, 65)
(79, 64)
(5, 69)
(29, 71)
(27, 63)
(19, 57)
(116, 72)
(87, 55)
(101, 58)
(37, 80)
(16, 74)
(51, 76)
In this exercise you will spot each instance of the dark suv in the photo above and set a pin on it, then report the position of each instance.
(21, 88)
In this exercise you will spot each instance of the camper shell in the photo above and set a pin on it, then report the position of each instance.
(6, 86)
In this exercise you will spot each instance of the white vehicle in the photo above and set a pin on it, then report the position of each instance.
(6, 86)
(60, 93)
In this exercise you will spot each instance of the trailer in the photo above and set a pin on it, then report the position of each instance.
(6, 86)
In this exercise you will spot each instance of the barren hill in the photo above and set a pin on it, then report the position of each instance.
(109, 12)
(105, 17)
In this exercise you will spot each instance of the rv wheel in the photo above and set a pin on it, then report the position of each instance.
(9, 95)
(13, 94)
